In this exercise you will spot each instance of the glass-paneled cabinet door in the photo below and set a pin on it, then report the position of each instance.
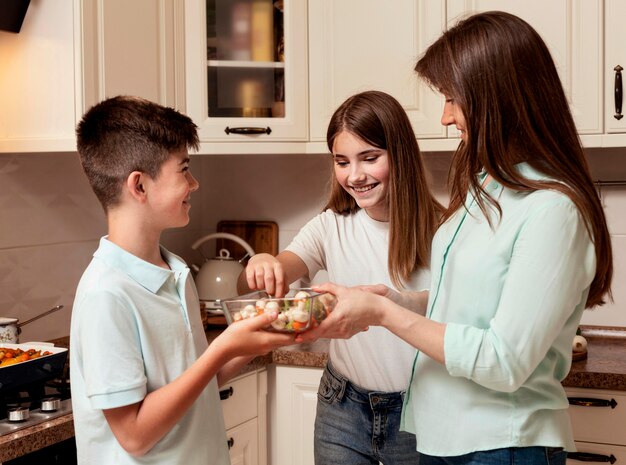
(246, 69)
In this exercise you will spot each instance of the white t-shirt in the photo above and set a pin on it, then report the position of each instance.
(353, 250)
(135, 328)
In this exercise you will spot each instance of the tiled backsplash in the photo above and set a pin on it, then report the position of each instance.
(51, 221)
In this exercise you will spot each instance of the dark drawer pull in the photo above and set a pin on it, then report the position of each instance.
(226, 393)
(231, 443)
(619, 93)
(591, 402)
(247, 131)
(588, 457)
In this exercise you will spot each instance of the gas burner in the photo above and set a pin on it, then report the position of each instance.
(33, 417)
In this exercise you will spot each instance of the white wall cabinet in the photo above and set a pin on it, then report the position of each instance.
(293, 403)
(615, 56)
(244, 404)
(292, 127)
(598, 420)
(75, 53)
(129, 48)
(40, 79)
(348, 59)
(361, 45)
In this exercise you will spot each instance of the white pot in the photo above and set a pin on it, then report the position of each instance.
(9, 331)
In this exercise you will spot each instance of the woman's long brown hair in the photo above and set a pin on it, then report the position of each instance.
(500, 73)
(378, 119)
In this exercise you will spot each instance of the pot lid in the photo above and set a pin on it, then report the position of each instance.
(7, 320)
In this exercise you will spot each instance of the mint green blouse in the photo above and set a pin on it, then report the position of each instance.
(512, 298)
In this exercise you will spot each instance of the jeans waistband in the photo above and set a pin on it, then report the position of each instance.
(376, 399)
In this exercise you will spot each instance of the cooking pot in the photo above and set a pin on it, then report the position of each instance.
(217, 278)
(10, 328)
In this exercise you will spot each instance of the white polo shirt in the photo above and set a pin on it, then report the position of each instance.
(135, 328)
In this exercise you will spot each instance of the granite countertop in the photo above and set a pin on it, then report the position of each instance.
(605, 365)
(604, 368)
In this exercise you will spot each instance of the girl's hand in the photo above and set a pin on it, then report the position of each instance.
(356, 310)
(265, 272)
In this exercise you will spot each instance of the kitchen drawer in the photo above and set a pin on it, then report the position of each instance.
(603, 420)
(597, 453)
(239, 400)
(243, 443)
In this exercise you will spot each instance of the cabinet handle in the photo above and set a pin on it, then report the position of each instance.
(247, 131)
(588, 457)
(618, 92)
(226, 393)
(590, 402)
(231, 443)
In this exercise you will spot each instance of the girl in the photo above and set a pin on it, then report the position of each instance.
(376, 228)
(523, 249)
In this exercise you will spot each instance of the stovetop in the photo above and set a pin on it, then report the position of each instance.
(36, 417)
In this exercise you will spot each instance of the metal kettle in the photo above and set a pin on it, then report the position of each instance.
(217, 278)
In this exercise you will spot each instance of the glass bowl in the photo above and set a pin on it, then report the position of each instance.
(298, 311)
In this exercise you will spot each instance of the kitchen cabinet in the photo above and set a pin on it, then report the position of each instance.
(345, 60)
(293, 403)
(615, 58)
(598, 420)
(246, 72)
(40, 79)
(352, 49)
(129, 48)
(244, 404)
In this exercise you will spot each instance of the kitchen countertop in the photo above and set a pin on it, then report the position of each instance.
(605, 365)
(604, 368)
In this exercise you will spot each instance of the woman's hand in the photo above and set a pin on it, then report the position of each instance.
(266, 272)
(413, 300)
(354, 312)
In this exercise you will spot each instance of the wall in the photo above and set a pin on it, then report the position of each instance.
(51, 221)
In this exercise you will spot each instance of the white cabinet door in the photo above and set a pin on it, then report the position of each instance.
(595, 415)
(291, 127)
(615, 55)
(244, 405)
(293, 403)
(589, 453)
(40, 79)
(129, 49)
(572, 29)
(357, 45)
(243, 443)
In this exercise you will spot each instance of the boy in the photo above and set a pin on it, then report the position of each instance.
(144, 383)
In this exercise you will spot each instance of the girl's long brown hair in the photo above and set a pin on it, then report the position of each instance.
(500, 73)
(378, 119)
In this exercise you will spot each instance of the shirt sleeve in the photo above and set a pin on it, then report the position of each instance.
(110, 355)
(309, 243)
(551, 268)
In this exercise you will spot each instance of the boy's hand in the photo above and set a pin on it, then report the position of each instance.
(249, 338)
(264, 271)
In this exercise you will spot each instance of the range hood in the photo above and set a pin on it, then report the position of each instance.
(12, 14)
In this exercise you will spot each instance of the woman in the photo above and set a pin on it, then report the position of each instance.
(522, 250)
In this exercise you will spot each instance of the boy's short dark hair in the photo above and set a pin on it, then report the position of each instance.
(124, 134)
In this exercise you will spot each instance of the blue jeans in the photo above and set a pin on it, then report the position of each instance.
(507, 456)
(355, 426)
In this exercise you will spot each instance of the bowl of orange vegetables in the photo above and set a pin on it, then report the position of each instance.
(300, 310)
(22, 364)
